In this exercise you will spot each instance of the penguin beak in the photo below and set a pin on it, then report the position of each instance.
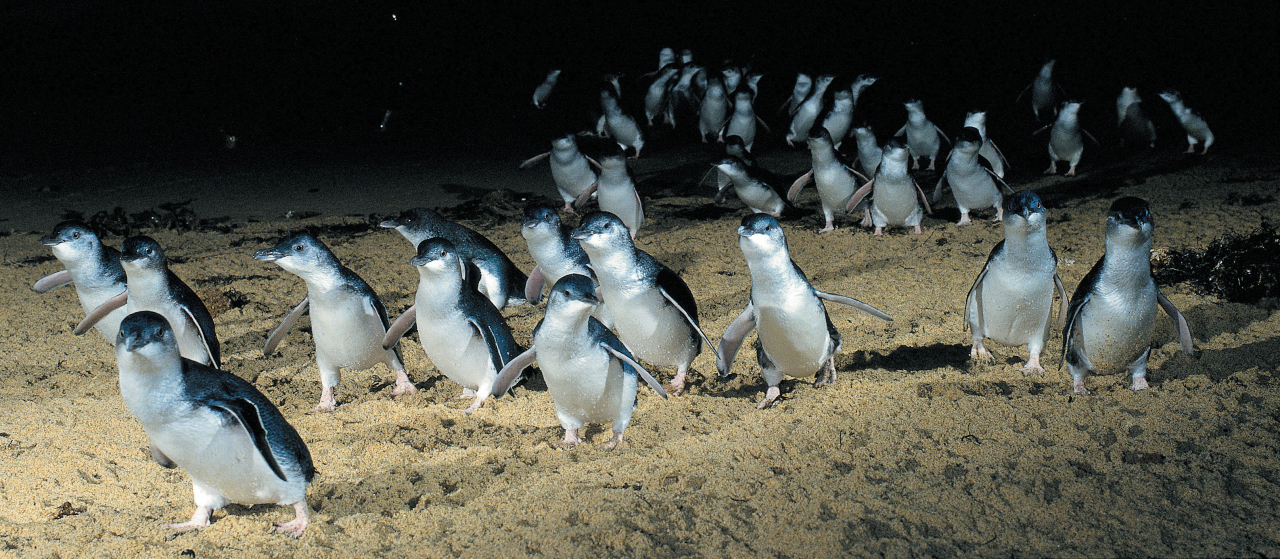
(581, 234)
(389, 224)
(136, 342)
(421, 260)
(268, 255)
(50, 240)
(743, 231)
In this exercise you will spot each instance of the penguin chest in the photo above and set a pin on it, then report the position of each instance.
(586, 382)
(793, 334)
(972, 186)
(1015, 304)
(93, 296)
(1116, 327)
(894, 198)
(922, 139)
(572, 174)
(758, 196)
(348, 332)
(652, 328)
(835, 185)
(1066, 142)
(454, 346)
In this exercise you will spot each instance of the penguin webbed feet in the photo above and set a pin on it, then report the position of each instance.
(199, 519)
(299, 523)
(827, 374)
(979, 352)
(770, 398)
(403, 384)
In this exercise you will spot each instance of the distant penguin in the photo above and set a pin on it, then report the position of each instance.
(687, 92)
(543, 91)
(617, 193)
(590, 374)
(750, 186)
(869, 150)
(732, 77)
(348, 320)
(1066, 138)
(742, 123)
(973, 182)
(618, 125)
(1011, 301)
(1043, 89)
(835, 180)
(653, 310)
(713, 113)
(666, 57)
(1113, 311)
(93, 267)
(462, 333)
(570, 169)
(1136, 129)
(922, 135)
(799, 92)
(657, 97)
(840, 117)
(795, 337)
(499, 279)
(896, 199)
(978, 121)
(809, 111)
(860, 85)
(153, 287)
(223, 432)
(1195, 125)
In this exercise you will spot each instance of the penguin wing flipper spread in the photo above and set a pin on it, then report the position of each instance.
(586, 194)
(52, 281)
(594, 163)
(1184, 331)
(246, 414)
(799, 184)
(732, 340)
(627, 361)
(102, 311)
(511, 371)
(161, 459)
(533, 286)
(1094, 140)
(999, 154)
(859, 195)
(1000, 183)
(204, 326)
(763, 124)
(282, 330)
(402, 325)
(534, 160)
(923, 199)
(850, 301)
(943, 135)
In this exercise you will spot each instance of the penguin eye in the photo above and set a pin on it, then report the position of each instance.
(299, 248)
(149, 251)
(75, 235)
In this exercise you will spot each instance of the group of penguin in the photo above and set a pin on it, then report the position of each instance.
(610, 307)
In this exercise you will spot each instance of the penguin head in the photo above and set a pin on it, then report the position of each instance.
(735, 146)
(1047, 70)
(914, 106)
(895, 150)
(410, 220)
(864, 131)
(1069, 110)
(760, 235)
(600, 230)
(1171, 96)
(743, 97)
(975, 118)
(540, 215)
(842, 95)
(299, 253)
(730, 164)
(574, 290)
(145, 332)
(969, 140)
(614, 160)
(142, 252)
(865, 80)
(565, 143)
(72, 239)
(1023, 211)
(819, 136)
(1129, 221)
(438, 255)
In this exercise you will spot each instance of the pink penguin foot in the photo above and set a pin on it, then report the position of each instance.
(403, 384)
(299, 523)
(770, 398)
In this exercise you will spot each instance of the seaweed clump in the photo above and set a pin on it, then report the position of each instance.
(1237, 268)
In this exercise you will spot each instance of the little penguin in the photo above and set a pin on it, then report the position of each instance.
(556, 253)
(860, 85)
(1195, 125)
(743, 121)
(590, 374)
(543, 91)
(713, 111)
(1043, 89)
(570, 169)
(653, 310)
(1135, 128)
(973, 182)
(869, 150)
(809, 111)
(462, 332)
(223, 432)
(495, 275)
(1066, 138)
(750, 186)
(618, 125)
(978, 121)
(838, 120)
(922, 135)
(617, 192)
(835, 179)
(93, 267)
(348, 320)
(794, 336)
(896, 199)
(1011, 301)
(153, 287)
(1113, 310)
(657, 98)
(799, 92)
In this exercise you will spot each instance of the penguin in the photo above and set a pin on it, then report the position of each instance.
(809, 110)
(1195, 125)
(922, 135)
(617, 194)
(1113, 310)
(1043, 89)
(653, 310)
(590, 374)
(223, 432)
(461, 331)
(973, 182)
(93, 267)
(799, 92)
(1066, 138)
(1011, 301)
(735, 147)
(978, 121)
(348, 320)
(657, 98)
(713, 112)
(860, 85)
(618, 125)
(835, 180)
(1135, 128)
(153, 287)
(498, 278)
(732, 77)
(742, 123)
(893, 192)
(869, 150)
(556, 253)
(795, 337)
(543, 91)
(688, 90)
(570, 169)
(750, 186)
(840, 117)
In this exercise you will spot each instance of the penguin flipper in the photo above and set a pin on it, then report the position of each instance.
(723, 183)
(975, 295)
(102, 311)
(851, 302)
(1073, 339)
(1000, 183)
(937, 190)
(900, 131)
(687, 317)
(763, 124)
(799, 184)
(859, 195)
(207, 336)
(533, 287)
(282, 330)
(246, 413)
(1062, 301)
(52, 281)
(511, 371)
(594, 163)
(586, 194)
(1003, 160)
(732, 339)
(490, 341)
(942, 134)
(627, 361)
(161, 459)
(534, 160)
(1184, 331)
(406, 321)
(923, 199)
(1095, 140)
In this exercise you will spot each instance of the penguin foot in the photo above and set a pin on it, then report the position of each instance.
(1080, 389)
(827, 374)
(200, 519)
(467, 394)
(1071, 172)
(964, 220)
(474, 405)
(979, 351)
(614, 442)
(866, 219)
(403, 385)
(1190, 149)
(770, 398)
(917, 231)
(879, 231)
(299, 523)
(327, 401)
(1053, 168)
(1139, 383)
(677, 384)
(570, 440)
(568, 208)
(829, 228)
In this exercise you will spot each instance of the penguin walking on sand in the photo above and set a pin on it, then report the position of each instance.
(617, 194)
(1195, 125)
(835, 180)
(1136, 129)
(809, 110)
(570, 169)
(1066, 138)
(869, 150)
(348, 320)
(1043, 89)
(978, 121)
(750, 185)
(223, 432)
(799, 92)
(590, 374)
(618, 125)
(713, 110)
(1011, 301)
(653, 310)
(973, 182)
(461, 331)
(94, 269)
(896, 199)
(795, 337)
(1113, 310)
(556, 253)
(922, 135)
(743, 121)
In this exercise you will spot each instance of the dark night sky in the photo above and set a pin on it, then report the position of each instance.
(96, 80)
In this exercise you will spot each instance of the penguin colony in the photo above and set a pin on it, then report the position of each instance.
(612, 307)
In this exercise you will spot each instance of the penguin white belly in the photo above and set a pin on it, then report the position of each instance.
(1117, 328)
(1066, 144)
(348, 333)
(794, 335)
(1015, 311)
(639, 328)
(760, 198)
(587, 386)
(92, 297)
(743, 126)
(620, 199)
(572, 175)
(894, 203)
(922, 140)
(835, 187)
(190, 343)
(624, 130)
(973, 188)
(455, 348)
